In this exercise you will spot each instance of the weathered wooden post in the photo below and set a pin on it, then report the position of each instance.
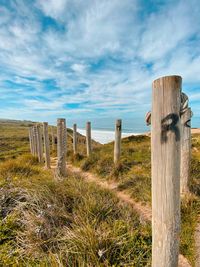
(30, 139)
(61, 147)
(75, 139)
(88, 138)
(165, 146)
(39, 143)
(185, 149)
(52, 138)
(35, 146)
(117, 145)
(46, 145)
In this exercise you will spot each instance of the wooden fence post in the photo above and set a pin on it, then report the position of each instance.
(34, 130)
(185, 149)
(39, 143)
(117, 145)
(165, 147)
(88, 138)
(75, 139)
(61, 147)
(52, 138)
(46, 145)
(30, 139)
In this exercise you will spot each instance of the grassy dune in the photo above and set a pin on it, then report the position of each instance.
(65, 223)
(45, 222)
(133, 174)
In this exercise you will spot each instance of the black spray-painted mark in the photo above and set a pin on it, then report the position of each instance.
(119, 127)
(169, 123)
(187, 124)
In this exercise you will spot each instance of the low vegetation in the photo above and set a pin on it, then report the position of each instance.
(65, 223)
(133, 174)
(45, 222)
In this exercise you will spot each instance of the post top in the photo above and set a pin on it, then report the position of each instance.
(60, 119)
(118, 121)
(169, 77)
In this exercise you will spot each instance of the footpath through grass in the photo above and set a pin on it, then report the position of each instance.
(65, 223)
(133, 174)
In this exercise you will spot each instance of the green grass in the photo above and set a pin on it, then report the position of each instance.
(133, 174)
(86, 224)
(70, 222)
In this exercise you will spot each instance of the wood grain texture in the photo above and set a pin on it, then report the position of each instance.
(88, 138)
(117, 145)
(46, 145)
(39, 143)
(30, 133)
(185, 149)
(75, 139)
(52, 138)
(61, 146)
(165, 145)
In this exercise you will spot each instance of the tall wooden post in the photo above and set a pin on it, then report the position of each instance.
(165, 147)
(46, 145)
(117, 145)
(61, 147)
(75, 139)
(185, 149)
(52, 138)
(39, 143)
(88, 138)
(34, 131)
(30, 139)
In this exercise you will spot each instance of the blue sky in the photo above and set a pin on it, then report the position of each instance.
(83, 59)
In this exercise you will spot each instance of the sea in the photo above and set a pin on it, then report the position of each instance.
(103, 129)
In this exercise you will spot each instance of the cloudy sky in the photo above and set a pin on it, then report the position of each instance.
(94, 58)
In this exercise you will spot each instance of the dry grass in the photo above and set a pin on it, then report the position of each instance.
(65, 223)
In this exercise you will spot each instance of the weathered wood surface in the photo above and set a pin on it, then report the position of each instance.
(117, 145)
(75, 139)
(39, 143)
(185, 149)
(46, 145)
(34, 130)
(88, 139)
(52, 138)
(165, 145)
(61, 147)
(30, 132)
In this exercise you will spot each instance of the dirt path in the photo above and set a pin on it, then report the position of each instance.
(143, 210)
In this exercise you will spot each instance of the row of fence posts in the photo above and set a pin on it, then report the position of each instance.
(170, 161)
(36, 146)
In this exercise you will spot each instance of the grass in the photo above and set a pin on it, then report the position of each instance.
(133, 174)
(65, 223)
(47, 222)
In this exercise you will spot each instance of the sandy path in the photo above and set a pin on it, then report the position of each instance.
(144, 211)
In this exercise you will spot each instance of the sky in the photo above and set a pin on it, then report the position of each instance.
(94, 59)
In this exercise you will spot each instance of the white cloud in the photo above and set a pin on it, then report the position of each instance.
(53, 8)
(103, 45)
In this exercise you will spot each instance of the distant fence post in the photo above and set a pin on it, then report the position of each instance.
(75, 139)
(52, 139)
(30, 139)
(34, 131)
(61, 147)
(165, 147)
(46, 145)
(117, 145)
(185, 149)
(88, 138)
(39, 143)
